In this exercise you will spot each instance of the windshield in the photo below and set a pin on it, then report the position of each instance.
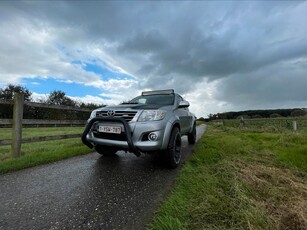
(162, 99)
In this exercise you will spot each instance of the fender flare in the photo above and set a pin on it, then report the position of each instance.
(168, 130)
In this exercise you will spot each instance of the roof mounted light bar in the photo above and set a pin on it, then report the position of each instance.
(166, 91)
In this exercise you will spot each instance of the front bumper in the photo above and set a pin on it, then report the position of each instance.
(135, 135)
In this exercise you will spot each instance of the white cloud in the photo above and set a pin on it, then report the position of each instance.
(202, 101)
(37, 97)
(90, 99)
(113, 84)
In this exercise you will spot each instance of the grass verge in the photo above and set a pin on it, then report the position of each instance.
(38, 153)
(240, 179)
(41, 153)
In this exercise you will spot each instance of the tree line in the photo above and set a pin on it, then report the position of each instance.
(269, 113)
(56, 97)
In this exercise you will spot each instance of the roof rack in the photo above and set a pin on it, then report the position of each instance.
(155, 92)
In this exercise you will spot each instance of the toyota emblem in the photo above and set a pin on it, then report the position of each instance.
(110, 113)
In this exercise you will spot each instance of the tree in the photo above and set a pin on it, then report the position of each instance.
(58, 97)
(8, 92)
(298, 113)
(90, 105)
(275, 115)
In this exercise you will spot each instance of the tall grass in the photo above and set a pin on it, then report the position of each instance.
(236, 179)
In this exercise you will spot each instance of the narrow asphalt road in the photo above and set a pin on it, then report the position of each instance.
(87, 192)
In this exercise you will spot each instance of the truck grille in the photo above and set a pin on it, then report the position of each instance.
(127, 115)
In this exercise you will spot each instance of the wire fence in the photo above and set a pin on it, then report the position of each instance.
(289, 123)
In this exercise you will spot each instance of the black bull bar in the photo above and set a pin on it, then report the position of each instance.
(88, 127)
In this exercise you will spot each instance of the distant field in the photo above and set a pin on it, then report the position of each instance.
(269, 124)
(240, 179)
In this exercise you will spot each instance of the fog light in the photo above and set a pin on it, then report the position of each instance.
(152, 136)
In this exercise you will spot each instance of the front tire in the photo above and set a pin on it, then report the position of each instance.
(173, 152)
(105, 150)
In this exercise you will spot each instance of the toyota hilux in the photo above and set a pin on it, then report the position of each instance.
(153, 122)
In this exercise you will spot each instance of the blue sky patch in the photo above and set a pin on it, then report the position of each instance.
(105, 73)
(46, 86)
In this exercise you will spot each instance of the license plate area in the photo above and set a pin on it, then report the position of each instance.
(109, 129)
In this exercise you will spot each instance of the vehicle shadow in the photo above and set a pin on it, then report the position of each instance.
(146, 162)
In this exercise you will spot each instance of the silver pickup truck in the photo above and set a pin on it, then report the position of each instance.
(150, 123)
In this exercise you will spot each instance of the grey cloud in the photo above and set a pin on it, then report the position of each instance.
(272, 85)
(144, 43)
(248, 47)
(218, 55)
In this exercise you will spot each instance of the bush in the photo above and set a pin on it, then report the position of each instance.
(275, 115)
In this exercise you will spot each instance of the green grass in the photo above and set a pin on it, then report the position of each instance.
(41, 153)
(240, 179)
(6, 133)
(37, 153)
(199, 123)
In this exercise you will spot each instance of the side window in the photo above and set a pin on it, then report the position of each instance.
(142, 100)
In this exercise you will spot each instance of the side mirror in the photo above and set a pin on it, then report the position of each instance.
(184, 104)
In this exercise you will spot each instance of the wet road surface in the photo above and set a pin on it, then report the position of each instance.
(87, 192)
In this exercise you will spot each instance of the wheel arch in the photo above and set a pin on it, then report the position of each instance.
(193, 124)
(167, 134)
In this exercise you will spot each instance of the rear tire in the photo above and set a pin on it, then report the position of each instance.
(105, 150)
(173, 152)
(192, 136)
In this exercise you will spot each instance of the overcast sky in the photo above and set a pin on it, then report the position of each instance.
(221, 56)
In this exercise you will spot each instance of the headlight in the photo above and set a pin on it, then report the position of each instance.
(93, 115)
(152, 115)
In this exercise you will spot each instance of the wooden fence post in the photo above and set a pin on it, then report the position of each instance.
(241, 122)
(294, 125)
(17, 124)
